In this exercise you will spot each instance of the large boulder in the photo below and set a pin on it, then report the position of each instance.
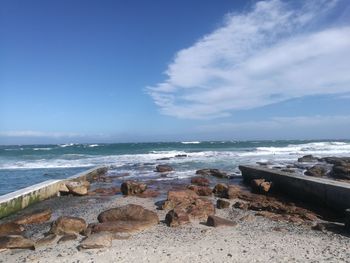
(260, 186)
(316, 171)
(10, 228)
(36, 217)
(68, 225)
(200, 209)
(212, 172)
(179, 198)
(201, 190)
(97, 240)
(200, 181)
(216, 221)
(177, 217)
(226, 191)
(128, 218)
(132, 188)
(164, 168)
(78, 187)
(16, 241)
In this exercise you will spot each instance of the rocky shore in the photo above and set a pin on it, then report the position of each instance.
(212, 217)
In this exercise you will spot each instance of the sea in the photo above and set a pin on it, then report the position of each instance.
(24, 165)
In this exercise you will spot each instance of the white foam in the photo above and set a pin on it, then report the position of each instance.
(93, 145)
(42, 149)
(194, 142)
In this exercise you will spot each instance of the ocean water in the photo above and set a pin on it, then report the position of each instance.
(25, 165)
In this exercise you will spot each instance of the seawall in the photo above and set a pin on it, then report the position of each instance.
(15, 201)
(325, 192)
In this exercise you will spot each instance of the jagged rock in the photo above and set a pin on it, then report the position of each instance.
(200, 181)
(176, 217)
(67, 237)
(260, 186)
(36, 217)
(216, 221)
(46, 240)
(132, 188)
(307, 158)
(213, 172)
(78, 187)
(201, 190)
(179, 198)
(10, 228)
(68, 225)
(16, 241)
(220, 204)
(97, 240)
(316, 170)
(163, 168)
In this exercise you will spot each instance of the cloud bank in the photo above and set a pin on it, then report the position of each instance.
(270, 54)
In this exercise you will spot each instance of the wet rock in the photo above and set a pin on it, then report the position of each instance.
(36, 217)
(200, 181)
(16, 241)
(337, 161)
(260, 186)
(132, 188)
(148, 193)
(179, 198)
(201, 190)
(216, 221)
(307, 158)
(163, 168)
(67, 237)
(78, 187)
(105, 191)
(46, 240)
(341, 172)
(316, 171)
(176, 217)
(97, 240)
(10, 228)
(221, 204)
(212, 172)
(68, 225)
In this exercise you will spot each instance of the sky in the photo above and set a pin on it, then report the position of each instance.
(138, 71)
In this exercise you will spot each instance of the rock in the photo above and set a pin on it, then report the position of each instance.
(176, 217)
(128, 218)
(68, 225)
(337, 161)
(247, 218)
(67, 237)
(212, 172)
(132, 188)
(201, 190)
(241, 205)
(220, 204)
(16, 241)
(316, 170)
(226, 191)
(319, 227)
(36, 217)
(10, 228)
(341, 172)
(307, 158)
(233, 191)
(163, 168)
(216, 221)
(78, 187)
(260, 186)
(179, 198)
(180, 155)
(200, 209)
(97, 240)
(148, 193)
(105, 191)
(200, 181)
(46, 240)
(63, 188)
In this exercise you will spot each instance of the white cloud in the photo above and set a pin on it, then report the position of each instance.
(38, 134)
(255, 59)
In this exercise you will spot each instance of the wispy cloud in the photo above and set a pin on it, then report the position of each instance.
(39, 134)
(258, 58)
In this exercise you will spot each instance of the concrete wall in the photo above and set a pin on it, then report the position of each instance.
(332, 194)
(20, 199)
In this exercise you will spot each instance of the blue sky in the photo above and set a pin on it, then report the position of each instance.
(121, 71)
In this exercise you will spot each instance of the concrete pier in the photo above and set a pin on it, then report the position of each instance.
(15, 201)
(325, 192)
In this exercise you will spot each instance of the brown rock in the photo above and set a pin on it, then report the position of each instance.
(148, 193)
(316, 170)
(10, 228)
(201, 190)
(67, 237)
(200, 209)
(97, 240)
(176, 217)
(78, 187)
(233, 191)
(241, 205)
(16, 241)
(68, 225)
(132, 188)
(220, 204)
(46, 240)
(212, 172)
(200, 181)
(216, 221)
(163, 168)
(221, 190)
(179, 198)
(36, 217)
(260, 186)
(105, 191)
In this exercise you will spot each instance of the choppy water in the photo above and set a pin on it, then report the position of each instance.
(24, 165)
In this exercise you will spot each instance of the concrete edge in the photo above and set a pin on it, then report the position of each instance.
(15, 201)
